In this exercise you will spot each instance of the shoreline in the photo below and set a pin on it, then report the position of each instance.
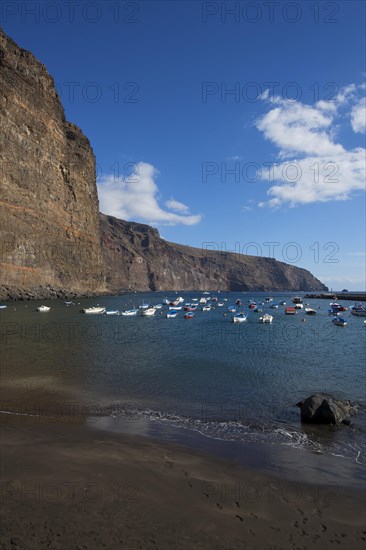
(72, 486)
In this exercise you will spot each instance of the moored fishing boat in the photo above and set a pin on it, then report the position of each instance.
(297, 300)
(43, 309)
(148, 312)
(289, 310)
(206, 308)
(232, 309)
(189, 315)
(93, 310)
(359, 310)
(266, 318)
(239, 318)
(144, 305)
(112, 312)
(177, 307)
(310, 311)
(3, 306)
(339, 321)
(298, 306)
(171, 314)
(129, 312)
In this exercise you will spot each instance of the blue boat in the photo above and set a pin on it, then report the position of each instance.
(339, 321)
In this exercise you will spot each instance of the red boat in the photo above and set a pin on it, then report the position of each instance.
(189, 316)
(190, 308)
(290, 310)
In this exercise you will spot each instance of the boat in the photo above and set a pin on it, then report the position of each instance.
(171, 314)
(282, 303)
(144, 305)
(178, 308)
(298, 306)
(206, 308)
(166, 301)
(337, 307)
(112, 312)
(239, 318)
(43, 309)
(189, 315)
(69, 303)
(93, 310)
(214, 299)
(310, 311)
(268, 299)
(148, 312)
(297, 300)
(220, 304)
(266, 318)
(3, 307)
(359, 310)
(333, 312)
(257, 309)
(232, 309)
(206, 292)
(180, 300)
(238, 302)
(202, 300)
(190, 308)
(339, 321)
(252, 305)
(274, 306)
(129, 312)
(289, 310)
(158, 306)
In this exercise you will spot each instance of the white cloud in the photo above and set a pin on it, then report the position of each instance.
(135, 198)
(313, 167)
(358, 117)
(172, 204)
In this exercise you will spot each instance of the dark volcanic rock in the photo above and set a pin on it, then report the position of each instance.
(49, 205)
(321, 408)
(137, 258)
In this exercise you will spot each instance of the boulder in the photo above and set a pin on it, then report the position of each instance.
(321, 408)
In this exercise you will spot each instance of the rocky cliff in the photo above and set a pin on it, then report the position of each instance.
(53, 240)
(50, 242)
(137, 258)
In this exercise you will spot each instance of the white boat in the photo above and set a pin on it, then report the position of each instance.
(266, 318)
(298, 306)
(206, 308)
(239, 318)
(148, 312)
(112, 312)
(93, 310)
(220, 304)
(43, 309)
(180, 300)
(158, 306)
(171, 314)
(175, 308)
(129, 312)
(339, 321)
(310, 311)
(3, 307)
(202, 301)
(144, 306)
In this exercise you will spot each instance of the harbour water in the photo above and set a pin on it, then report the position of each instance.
(178, 378)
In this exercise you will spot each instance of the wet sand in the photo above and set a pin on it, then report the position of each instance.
(66, 486)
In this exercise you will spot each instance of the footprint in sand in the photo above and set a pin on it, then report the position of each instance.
(239, 517)
(324, 528)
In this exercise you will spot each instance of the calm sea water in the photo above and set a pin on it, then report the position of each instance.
(206, 375)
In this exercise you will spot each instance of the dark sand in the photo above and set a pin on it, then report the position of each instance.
(69, 487)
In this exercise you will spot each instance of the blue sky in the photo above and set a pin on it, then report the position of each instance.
(238, 124)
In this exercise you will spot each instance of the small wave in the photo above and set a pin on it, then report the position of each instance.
(253, 432)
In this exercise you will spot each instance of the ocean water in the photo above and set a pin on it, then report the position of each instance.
(205, 376)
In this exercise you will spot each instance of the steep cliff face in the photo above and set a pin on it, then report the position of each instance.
(138, 259)
(50, 240)
(53, 240)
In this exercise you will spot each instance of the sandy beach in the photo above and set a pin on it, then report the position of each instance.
(66, 486)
